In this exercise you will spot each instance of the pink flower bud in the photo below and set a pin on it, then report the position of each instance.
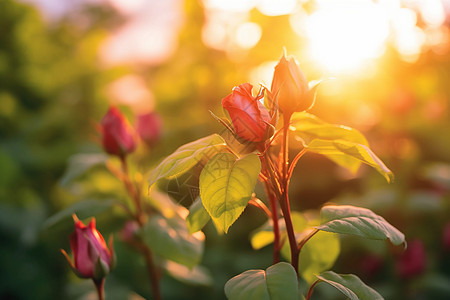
(249, 116)
(92, 258)
(118, 137)
(148, 126)
(412, 262)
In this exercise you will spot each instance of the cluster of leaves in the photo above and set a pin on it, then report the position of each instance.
(227, 183)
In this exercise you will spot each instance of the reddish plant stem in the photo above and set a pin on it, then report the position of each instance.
(99, 286)
(259, 204)
(307, 238)
(276, 227)
(311, 289)
(133, 190)
(284, 200)
(272, 190)
(154, 276)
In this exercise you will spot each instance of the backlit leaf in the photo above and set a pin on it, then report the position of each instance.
(349, 219)
(198, 216)
(187, 156)
(309, 127)
(350, 285)
(226, 186)
(344, 153)
(278, 282)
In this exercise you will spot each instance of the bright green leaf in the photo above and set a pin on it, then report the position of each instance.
(170, 239)
(198, 216)
(263, 235)
(345, 152)
(349, 219)
(344, 145)
(350, 285)
(187, 156)
(309, 127)
(226, 186)
(278, 282)
(80, 163)
(197, 275)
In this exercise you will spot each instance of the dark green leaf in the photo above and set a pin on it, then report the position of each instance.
(359, 221)
(80, 163)
(170, 239)
(226, 186)
(278, 282)
(350, 285)
(187, 156)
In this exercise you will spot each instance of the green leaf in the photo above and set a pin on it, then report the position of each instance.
(83, 209)
(80, 163)
(309, 127)
(278, 282)
(350, 285)
(344, 145)
(226, 186)
(170, 239)
(345, 152)
(263, 235)
(349, 219)
(197, 275)
(198, 216)
(318, 254)
(187, 156)
(162, 202)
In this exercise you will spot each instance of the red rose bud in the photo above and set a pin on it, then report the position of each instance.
(92, 258)
(412, 262)
(148, 126)
(118, 136)
(290, 87)
(249, 116)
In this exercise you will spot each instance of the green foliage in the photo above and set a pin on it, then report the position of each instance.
(187, 156)
(263, 235)
(170, 239)
(226, 186)
(348, 219)
(349, 285)
(278, 282)
(344, 153)
(198, 216)
(344, 145)
(80, 163)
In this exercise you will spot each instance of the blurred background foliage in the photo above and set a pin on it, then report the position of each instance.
(386, 66)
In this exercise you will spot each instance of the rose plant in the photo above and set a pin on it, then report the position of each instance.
(255, 147)
(227, 182)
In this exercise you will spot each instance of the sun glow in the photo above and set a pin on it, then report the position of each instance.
(344, 35)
